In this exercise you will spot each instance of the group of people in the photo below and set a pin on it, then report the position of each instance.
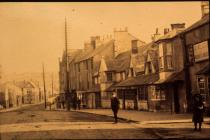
(198, 109)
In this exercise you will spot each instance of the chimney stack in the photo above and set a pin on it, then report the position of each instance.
(204, 8)
(134, 46)
(177, 26)
(156, 35)
(166, 30)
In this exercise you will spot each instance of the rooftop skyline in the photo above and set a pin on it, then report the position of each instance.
(32, 33)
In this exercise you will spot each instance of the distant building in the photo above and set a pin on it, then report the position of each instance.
(30, 92)
(10, 95)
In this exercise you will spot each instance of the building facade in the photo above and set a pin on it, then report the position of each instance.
(195, 40)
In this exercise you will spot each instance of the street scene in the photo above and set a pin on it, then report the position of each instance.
(104, 70)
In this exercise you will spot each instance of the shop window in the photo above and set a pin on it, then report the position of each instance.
(86, 65)
(109, 76)
(201, 85)
(91, 63)
(143, 94)
(158, 93)
(201, 51)
(78, 65)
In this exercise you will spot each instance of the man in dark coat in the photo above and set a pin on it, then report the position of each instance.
(115, 106)
(198, 110)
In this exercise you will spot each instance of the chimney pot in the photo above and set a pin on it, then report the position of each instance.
(166, 30)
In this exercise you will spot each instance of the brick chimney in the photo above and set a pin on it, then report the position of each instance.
(204, 8)
(177, 26)
(134, 48)
(156, 35)
(166, 30)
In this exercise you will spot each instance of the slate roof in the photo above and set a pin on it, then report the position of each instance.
(88, 54)
(119, 63)
(197, 24)
(177, 76)
(171, 34)
(204, 70)
(139, 80)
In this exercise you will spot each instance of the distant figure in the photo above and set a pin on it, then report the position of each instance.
(198, 110)
(79, 103)
(115, 106)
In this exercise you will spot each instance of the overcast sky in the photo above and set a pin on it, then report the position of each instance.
(32, 33)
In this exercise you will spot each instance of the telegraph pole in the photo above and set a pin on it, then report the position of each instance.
(45, 99)
(52, 84)
(67, 73)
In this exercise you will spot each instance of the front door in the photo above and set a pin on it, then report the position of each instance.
(176, 98)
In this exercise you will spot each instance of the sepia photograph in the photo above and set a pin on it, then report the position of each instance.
(104, 70)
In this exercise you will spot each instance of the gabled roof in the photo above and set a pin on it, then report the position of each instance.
(74, 55)
(88, 54)
(197, 24)
(122, 61)
(25, 84)
(139, 80)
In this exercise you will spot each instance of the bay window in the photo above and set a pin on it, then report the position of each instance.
(161, 60)
(169, 56)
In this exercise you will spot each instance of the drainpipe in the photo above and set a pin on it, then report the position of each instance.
(187, 73)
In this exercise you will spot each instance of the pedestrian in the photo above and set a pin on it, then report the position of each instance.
(198, 110)
(115, 106)
(79, 103)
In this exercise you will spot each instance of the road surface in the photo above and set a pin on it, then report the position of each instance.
(34, 122)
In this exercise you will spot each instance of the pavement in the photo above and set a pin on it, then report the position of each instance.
(144, 117)
(19, 107)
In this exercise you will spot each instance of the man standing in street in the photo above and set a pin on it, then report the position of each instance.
(115, 105)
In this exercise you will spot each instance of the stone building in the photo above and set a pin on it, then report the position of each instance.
(85, 68)
(160, 86)
(195, 40)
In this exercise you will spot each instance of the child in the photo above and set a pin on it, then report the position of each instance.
(198, 110)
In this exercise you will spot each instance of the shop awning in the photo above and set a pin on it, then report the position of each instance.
(139, 80)
(204, 70)
(96, 88)
(178, 76)
(111, 88)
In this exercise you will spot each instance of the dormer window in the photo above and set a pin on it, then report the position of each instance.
(109, 76)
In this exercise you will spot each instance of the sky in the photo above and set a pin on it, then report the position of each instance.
(33, 33)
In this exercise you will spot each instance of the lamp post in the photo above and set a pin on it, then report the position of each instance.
(45, 99)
